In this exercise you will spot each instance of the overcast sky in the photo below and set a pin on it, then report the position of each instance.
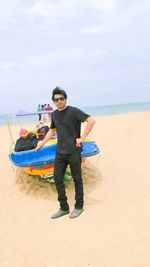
(97, 50)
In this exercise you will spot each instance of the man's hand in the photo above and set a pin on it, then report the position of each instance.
(39, 145)
(78, 142)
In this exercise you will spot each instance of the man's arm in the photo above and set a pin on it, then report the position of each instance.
(48, 136)
(90, 123)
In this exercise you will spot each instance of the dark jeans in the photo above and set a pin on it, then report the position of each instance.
(61, 163)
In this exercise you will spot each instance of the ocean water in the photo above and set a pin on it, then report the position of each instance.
(117, 109)
(94, 111)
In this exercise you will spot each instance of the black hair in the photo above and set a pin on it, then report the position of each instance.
(58, 91)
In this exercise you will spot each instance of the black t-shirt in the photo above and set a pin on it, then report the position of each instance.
(68, 126)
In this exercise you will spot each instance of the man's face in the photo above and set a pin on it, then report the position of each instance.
(59, 101)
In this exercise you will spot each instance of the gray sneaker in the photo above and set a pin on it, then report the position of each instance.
(75, 213)
(59, 213)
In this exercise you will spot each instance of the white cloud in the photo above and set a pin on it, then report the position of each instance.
(101, 4)
(7, 65)
(41, 8)
(59, 8)
(92, 30)
(78, 44)
(11, 10)
(62, 58)
(56, 9)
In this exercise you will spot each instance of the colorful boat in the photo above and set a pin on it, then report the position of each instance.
(41, 162)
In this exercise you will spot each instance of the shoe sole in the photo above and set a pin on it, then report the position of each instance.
(57, 216)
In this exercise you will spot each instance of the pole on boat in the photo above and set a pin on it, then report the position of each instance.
(12, 140)
(8, 124)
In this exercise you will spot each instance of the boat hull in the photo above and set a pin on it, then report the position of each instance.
(40, 170)
(41, 162)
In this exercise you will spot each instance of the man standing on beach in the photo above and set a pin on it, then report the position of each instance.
(66, 121)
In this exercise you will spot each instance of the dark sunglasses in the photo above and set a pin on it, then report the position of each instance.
(60, 98)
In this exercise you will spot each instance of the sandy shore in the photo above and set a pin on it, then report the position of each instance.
(113, 230)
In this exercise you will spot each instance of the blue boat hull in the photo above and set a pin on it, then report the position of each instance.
(46, 155)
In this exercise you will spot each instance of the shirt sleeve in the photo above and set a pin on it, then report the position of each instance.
(52, 126)
(81, 115)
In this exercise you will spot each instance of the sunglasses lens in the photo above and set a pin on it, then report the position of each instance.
(60, 98)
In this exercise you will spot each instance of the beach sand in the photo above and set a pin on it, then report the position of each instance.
(113, 230)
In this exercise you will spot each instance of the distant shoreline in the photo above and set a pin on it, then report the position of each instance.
(117, 108)
(104, 110)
